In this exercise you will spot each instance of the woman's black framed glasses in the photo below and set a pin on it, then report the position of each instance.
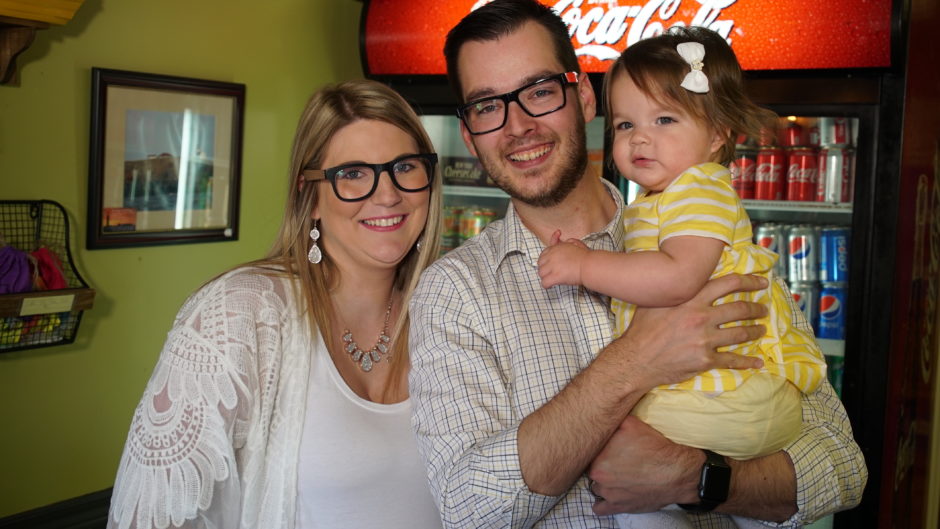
(536, 99)
(358, 180)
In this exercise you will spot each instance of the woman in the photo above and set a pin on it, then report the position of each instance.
(280, 398)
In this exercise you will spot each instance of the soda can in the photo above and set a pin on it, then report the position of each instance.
(832, 311)
(813, 136)
(835, 131)
(792, 135)
(834, 254)
(802, 174)
(806, 295)
(450, 233)
(774, 237)
(768, 180)
(472, 222)
(767, 137)
(743, 170)
(802, 259)
(836, 173)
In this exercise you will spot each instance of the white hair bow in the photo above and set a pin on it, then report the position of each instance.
(695, 80)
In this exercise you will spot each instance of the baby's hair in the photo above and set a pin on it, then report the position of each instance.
(657, 69)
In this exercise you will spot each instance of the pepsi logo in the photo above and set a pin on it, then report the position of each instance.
(800, 302)
(800, 247)
(767, 242)
(830, 308)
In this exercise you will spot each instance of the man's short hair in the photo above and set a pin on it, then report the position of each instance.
(500, 18)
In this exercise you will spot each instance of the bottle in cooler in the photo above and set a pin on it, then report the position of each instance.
(802, 258)
(834, 254)
(832, 297)
(835, 367)
(774, 237)
(806, 295)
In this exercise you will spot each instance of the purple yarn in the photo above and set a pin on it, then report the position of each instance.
(14, 271)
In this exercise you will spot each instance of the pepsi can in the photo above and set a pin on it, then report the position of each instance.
(832, 311)
(834, 254)
(806, 296)
(774, 238)
(802, 258)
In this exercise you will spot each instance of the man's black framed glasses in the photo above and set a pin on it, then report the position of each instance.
(358, 180)
(536, 99)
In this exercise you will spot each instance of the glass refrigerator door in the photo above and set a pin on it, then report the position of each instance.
(471, 199)
(798, 190)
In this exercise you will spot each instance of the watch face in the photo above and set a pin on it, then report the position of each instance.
(716, 479)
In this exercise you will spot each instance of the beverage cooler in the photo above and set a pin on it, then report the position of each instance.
(822, 190)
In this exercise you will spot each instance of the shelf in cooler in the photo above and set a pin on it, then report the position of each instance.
(804, 212)
(831, 347)
(475, 191)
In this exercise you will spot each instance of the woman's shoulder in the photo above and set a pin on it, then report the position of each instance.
(249, 287)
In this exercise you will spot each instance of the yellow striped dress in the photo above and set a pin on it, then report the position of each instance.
(701, 202)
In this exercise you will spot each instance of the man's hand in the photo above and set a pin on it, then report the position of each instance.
(641, 471)
(671, 344)
(560, 263)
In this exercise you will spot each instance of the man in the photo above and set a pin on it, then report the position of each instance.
(518, 390)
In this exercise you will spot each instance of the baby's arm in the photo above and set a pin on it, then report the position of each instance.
(661, 278)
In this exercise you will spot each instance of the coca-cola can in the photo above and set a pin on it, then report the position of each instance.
(767, 137)
(836, 174)
(743, 172)
(835, 131)
(813, 136)
(802, 174)
(792, 135)
(774, 237)
(768, 180)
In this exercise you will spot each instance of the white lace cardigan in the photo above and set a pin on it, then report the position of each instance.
(214, 441)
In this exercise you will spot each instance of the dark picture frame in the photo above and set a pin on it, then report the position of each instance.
(165, 159)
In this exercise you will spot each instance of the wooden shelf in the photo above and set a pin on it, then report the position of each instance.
(46, 301)
(19, 20)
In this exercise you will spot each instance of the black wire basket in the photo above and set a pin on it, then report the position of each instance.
(44, 313)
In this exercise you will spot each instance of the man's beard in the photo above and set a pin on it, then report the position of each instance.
(569, 171)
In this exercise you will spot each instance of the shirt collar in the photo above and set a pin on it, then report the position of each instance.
(518, 239)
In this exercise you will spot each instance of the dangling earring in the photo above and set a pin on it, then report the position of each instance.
(314, 255)
(418, 245)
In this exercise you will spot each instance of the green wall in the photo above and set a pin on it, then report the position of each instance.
(65, 410)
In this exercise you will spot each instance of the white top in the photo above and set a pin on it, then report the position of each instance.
(359, 464)
(215, 440)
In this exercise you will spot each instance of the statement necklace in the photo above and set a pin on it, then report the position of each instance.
(367, 358)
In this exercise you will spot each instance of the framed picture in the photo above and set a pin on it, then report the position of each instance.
(165, 160)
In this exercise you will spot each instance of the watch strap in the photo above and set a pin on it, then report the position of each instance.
(716, 474)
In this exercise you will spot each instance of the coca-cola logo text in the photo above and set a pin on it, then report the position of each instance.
(597, 26)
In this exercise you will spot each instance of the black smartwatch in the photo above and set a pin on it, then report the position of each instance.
(713, 484)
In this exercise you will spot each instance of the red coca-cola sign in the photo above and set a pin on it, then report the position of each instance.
(406, 37)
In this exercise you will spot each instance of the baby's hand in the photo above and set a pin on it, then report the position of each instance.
(560, 263)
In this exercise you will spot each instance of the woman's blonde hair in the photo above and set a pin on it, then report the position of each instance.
(657, 69)
(328, 110)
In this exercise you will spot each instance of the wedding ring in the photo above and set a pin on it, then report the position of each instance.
(591, 484)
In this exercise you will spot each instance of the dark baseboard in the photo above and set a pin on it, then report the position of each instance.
(84, 512)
